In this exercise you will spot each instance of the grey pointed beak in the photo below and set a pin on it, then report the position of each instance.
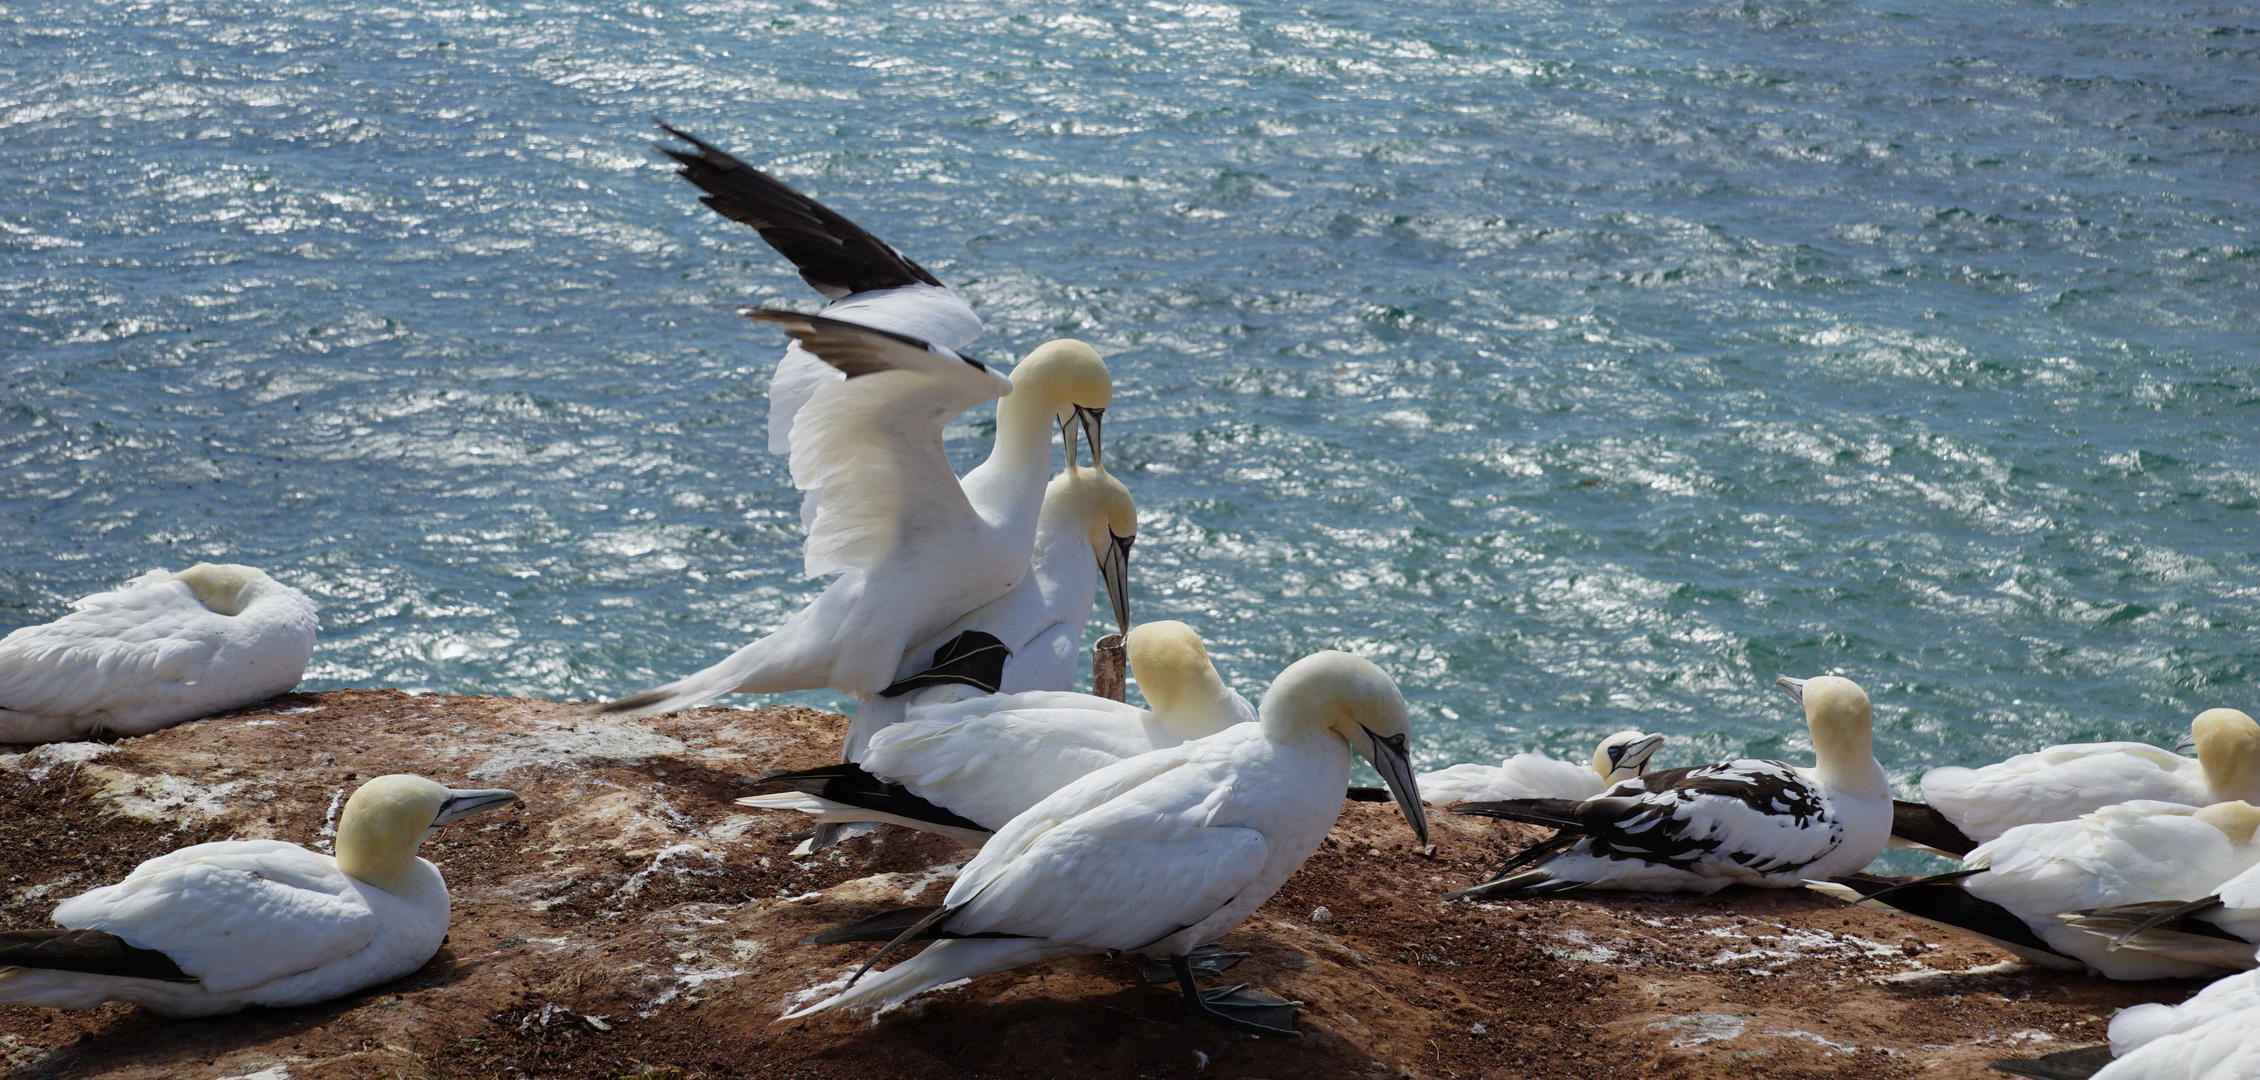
(1114, 568)
(1092, 420)
(1634, 755)
(462, 804)
(1393, 761)
(1795, 688)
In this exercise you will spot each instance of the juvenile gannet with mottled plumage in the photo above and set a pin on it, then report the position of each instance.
(2021, 890)
(1165, 851)
(1620, 757)
(862, 406)
(162, 649)
(1702, 829)
(212, 928)
(964, 769)
(1963, 808)
(1083, 538)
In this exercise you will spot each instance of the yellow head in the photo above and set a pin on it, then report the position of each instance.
(1180, 684)
(2236, 820)
(1357, 701)
(1836, 712)
(1624, 755)
(1069, 379)
(2228, 746)
(388, 817)
(223, 588)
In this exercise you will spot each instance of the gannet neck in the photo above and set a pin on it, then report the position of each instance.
(1188, 698)
(387, 819)
(1837, 714)
(223, 588)
(2228, 746)
(2236, 820)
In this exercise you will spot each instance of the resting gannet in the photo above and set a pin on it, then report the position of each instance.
(1702, 829)
(914, 547)
(1620, 757)
(1966, 807)
(1160, 853)
(162, 649)
(2021, 890)
(1083, 538)
(964, 769)
(2218, 929)
(212, 928)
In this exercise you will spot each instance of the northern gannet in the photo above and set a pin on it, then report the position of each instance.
(2212, 1036)
(162, 649)
(1967, 807)
(1083, 539)
(2218, 929)
(1702, 829)
(1160, 853)
(1620, 757)
(964, 769)
(914, 546)
(212, 928)
(2020, 890)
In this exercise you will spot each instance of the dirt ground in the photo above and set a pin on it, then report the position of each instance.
(630, 921)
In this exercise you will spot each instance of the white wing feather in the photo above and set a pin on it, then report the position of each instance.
(2061, 783)
(992, 757)
(235, 914)
(148, 633)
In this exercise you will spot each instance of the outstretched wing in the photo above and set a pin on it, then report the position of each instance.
(151, 633)
(236, 914)
(870, 283)
(834, 254)
(868, 449)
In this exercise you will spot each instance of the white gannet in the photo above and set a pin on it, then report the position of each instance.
(1963, 808)
(1702, 829)
(162, 649)
(2018, 891)
(2212, 1036)
(964, 769)
(1163, 852)
(1620, 757)
(1083, 538)
(914, 546)
(2218, 929)
(212, 928)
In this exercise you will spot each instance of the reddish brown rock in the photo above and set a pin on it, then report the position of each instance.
(630, 921)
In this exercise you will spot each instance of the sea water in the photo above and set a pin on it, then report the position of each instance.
(1585, 365)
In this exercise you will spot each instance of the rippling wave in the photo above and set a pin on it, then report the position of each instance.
(1586, 366)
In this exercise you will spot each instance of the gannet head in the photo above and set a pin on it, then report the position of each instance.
(1181, 685)
(1113, 529)
(223, 588)
(1836, 712)
(388, 817)
(1357, 701)
(1070, 376)
(2236, 820)
(2228, 746)
(1624, 755)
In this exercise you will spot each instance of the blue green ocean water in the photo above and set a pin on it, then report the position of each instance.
(1585, 365)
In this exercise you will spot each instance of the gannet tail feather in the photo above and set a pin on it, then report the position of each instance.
(88, 952)
(1552, 813)
(942, 962)
(1922, 825)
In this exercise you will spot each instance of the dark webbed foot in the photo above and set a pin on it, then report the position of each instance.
(1235, 1007)
(1208, 961)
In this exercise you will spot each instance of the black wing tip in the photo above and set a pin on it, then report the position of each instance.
(1921, 823)
(88, 952)
(2074, 1064)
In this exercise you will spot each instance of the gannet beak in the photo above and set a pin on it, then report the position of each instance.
(1393, 761)
(1091, 419)
(1114, 567)
(462, 804)
(1795, 688)
(1633, 755)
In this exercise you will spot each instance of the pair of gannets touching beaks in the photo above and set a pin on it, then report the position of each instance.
(1159, 853)
(212, 928)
